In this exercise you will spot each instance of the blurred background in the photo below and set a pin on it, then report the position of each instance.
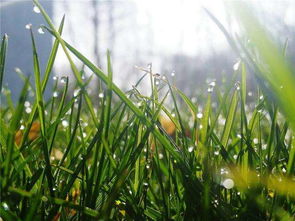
(172, 35)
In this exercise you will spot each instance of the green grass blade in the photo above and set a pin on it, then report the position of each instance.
(4, 44)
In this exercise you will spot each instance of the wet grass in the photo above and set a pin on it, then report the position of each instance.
(226, 154)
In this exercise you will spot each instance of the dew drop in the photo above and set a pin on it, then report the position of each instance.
(36, 9)
(235, 156)
(28, 110)
(161, 156)
(199, 115)
(63, 80)
(65, 123)
(212, 84)
(173, 73)
(41, 31)
(27, 104)
(28, 26)
(76, 92)
(54, 78)
(228, 183)
(222, 171)
(190, 149)
(236, 65)
(84, 124)
(17, 70)
(100, 95)
(255, 141)
(55, 94)
(237, 85)
(250, 93)
(216, 152)
(194, 99)
(5, 206)
(210, 89)
(44, 199)
(22, 127)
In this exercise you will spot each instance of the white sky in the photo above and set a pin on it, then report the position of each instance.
(151, 29)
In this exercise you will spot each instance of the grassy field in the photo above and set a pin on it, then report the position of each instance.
(225, 154)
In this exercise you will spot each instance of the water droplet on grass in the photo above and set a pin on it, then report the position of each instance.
(76, 92)
(255, 141)
(36, 9)
(27, 104)
(173, 74)
(63, 80)
(44, 199)
(228, 183)
(212, 84)
(16, 69)
(5, 206)
(236, 65)
(28, 110)
(190, 149)
(199, 115)
(54, 78)
(28, 26)
(55, 94)
(65, 123)
(216, 152)
(100, 95)
(41, 31)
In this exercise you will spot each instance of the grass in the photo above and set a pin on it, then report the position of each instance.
(130, 156)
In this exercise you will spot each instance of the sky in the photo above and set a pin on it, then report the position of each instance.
(150, 31)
